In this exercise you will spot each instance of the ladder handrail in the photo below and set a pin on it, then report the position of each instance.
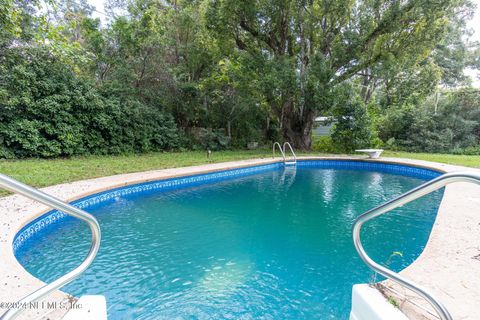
(279, 148)
(403, 199)
(34, 194)
(291, 149)
(283, 152)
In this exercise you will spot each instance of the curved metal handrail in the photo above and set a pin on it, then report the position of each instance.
(34, 194)
(405, 198)
(291, 150)
(279, 148)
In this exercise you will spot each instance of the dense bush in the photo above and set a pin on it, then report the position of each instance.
(46, 110)
(323, 144)
(448, 124)
(208, 139)
(352, 129)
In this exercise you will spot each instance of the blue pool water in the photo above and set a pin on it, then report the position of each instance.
(272, 245)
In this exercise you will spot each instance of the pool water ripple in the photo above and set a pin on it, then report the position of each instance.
(272, 245)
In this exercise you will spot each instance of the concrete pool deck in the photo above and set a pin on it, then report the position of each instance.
(449, 267)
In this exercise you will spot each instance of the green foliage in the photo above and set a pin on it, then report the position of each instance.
(232, 101)
(324, 144)
(387, 264)
(9, 20)
(449, 122)
(353, 128)
(393, 302)
(232, 72)
(48, 111)
(306, 50)
(208, 139)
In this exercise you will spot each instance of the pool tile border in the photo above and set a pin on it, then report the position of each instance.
(417, 172)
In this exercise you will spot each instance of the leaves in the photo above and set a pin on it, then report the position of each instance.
(49, 111)
(245, 70)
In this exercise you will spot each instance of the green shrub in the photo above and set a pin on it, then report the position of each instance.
(46, 110)
(448, 124)
(208, 139)
(353, 128)
(323, 144)
(469, 151)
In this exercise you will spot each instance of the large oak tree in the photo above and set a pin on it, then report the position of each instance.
(306, 48)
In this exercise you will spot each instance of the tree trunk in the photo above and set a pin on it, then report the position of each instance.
(229, 129)
(299, 141)
(302, 62)
(297, 129)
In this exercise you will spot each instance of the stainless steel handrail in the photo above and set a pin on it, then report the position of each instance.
(291, 149)
(405, 198)
(34, 194)
(279, 148)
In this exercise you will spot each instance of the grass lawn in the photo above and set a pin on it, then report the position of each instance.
(461, 160)
(41, 172)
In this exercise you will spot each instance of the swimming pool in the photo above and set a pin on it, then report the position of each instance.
(265, 241)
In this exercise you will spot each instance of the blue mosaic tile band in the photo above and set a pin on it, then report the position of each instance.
(415, 172)
(55, 216)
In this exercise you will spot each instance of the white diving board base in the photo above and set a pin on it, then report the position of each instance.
(372, 153)
(369, 304)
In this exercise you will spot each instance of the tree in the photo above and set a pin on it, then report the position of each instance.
(17, 22)
(317, 45)
(254, 70)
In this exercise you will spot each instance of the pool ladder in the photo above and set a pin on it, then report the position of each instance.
(34, 194)
(283, 151)
(405, 198)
